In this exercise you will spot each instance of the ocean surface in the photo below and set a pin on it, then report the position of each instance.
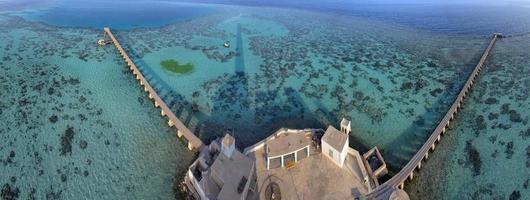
(75, 123)
(486, 153)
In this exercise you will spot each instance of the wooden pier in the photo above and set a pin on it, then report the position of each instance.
(182, 130)
(407, 172)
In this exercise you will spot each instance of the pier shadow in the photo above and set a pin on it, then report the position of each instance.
(181, 107)
(253, 114)
(250, 115)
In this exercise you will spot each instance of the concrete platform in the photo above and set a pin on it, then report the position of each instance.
(314, 177)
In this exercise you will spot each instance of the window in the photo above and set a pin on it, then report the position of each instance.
(331, 153)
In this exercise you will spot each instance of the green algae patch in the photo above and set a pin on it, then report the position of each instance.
(174, 66)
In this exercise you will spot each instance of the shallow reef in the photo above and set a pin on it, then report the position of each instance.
(55, 101)
(486, 155)
(315, 71)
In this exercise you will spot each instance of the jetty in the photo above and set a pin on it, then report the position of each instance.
(308, 163)
(182, 131)
(385, 190)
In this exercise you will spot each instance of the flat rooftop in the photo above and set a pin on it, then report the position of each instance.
(231, 171)
(286, 143)
(226, 177)
(335, 138)
(314, 177)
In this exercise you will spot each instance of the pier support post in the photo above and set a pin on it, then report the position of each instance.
(427, 155)
(438, 139)
(179, 133)
(411, 176)
(419, 165)
(432, 147)
(402, 185)
(192, 140)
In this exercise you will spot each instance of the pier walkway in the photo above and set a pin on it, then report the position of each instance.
(384, 191)
(182, 130)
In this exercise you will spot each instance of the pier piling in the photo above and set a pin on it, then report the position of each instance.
(398, 181)
(182, 130)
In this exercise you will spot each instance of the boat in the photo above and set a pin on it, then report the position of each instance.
(102, 42)
(226, 44)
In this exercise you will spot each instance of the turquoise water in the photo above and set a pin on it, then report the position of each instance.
(74, 122)
(486, 154)
(77, 120)
(290, 72)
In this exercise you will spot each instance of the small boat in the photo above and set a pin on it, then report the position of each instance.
(102, 42)
(226, 44)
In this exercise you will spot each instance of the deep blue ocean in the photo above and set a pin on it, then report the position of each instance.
(464, 18)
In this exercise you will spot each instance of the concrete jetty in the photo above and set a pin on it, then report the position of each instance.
(223, 172)
(182, 130)
(385, 190)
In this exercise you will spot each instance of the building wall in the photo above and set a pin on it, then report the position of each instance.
(336, 154)
(196, 185)
(344, 152)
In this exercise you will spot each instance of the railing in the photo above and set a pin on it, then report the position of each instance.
(261, 143)
(182, 130)
(384, 190)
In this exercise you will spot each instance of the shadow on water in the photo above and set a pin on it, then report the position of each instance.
(181, 107)
(253, 114)
(249, 114)
(240, 59)
(257, 117)
(262, 111)
(237, 93)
